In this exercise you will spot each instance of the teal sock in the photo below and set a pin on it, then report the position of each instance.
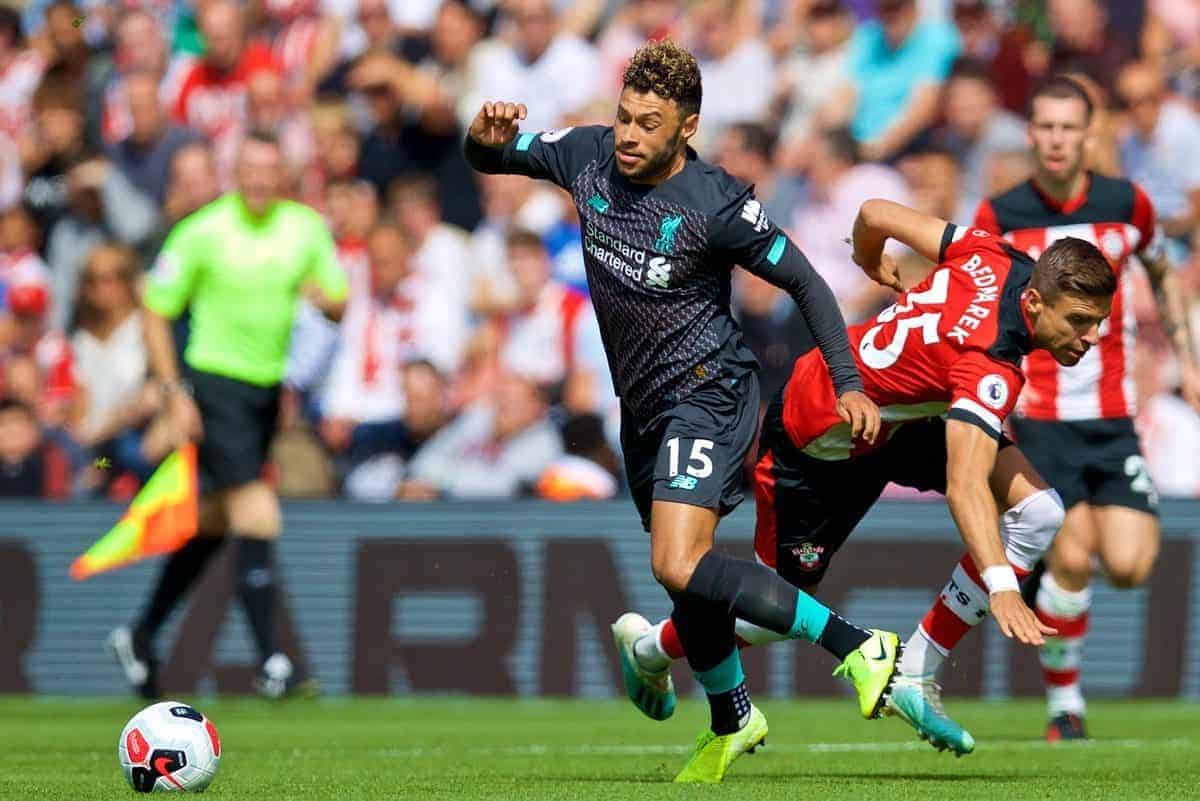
(724, 677)
(811, 617)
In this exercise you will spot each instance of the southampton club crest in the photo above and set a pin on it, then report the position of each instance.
(809, 556)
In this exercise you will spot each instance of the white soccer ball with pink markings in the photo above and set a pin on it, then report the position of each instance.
(168, 747)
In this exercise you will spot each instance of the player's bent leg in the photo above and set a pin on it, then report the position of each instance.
(1128, 543)
(1063, 602)
(647, 679)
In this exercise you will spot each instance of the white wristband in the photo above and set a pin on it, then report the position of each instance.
(1001, 578)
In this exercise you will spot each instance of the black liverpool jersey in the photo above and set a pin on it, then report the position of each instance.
(659, 261)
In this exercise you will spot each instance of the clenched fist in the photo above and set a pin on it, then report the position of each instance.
(497, 123)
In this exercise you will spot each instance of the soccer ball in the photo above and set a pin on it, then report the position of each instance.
(169, 746)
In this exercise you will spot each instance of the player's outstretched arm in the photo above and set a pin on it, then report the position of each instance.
(971, 454)
(880, 220)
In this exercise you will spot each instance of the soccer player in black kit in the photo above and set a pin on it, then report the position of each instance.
(661, 232)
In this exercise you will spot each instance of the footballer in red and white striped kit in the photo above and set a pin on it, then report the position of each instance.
(1076, 425)
(951, 345)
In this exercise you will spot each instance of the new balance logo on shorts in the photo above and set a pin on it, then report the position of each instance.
(684, 483)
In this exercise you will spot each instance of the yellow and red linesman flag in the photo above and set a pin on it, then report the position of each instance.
(163, 516)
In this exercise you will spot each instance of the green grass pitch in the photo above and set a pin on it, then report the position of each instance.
(465, 749)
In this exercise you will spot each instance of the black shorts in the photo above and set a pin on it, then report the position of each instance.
(807, 507)
(693, 453)
(239, 421)
(1094, 461)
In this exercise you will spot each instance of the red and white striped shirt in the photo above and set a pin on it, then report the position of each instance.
(542, 342)
(1116, 216)
(17, 84)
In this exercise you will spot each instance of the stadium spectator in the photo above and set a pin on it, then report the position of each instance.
(812, 75)
(20, 264)
(395, 317)
(1168, 428)
(896, 66)
(1084, 41)
(145, 152)
(550, 332)
(267, 109)
(744, 150)
(111, 365)
(556, 67)
(734, 63)
(50, 146)
(101, 205)
(212, 94)
(397, 145)
(381, 452)
(838, 186)
(413, 204)
(193, 181)
(1002, 50)
(65, 48)
(587, 469)
(497, 448)
(38, 364)
(139, 48)
(30, 465)
(21, 70)
(337, 151)
(976, 130)
(304, 43)
(632, 25)
(1159, 149)
(440, 63)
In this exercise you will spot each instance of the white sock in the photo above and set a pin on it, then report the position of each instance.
(648, 650)
(1065, 699)
(922, 656)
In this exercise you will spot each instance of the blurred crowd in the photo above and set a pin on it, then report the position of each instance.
(468, 364)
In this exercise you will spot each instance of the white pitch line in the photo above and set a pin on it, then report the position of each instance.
(538, 749)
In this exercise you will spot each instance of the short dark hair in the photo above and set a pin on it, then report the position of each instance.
(841, 143)
(417, 185)
(10, 23)
(668, 70)
(1062, 87)
(524, 238)
(1072, 266)
(971, 69)
(754, 137)
(14, 405)
(263, 136)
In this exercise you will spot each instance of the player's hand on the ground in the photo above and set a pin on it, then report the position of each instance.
(496, 123)
(861, 413)
(1016, 620)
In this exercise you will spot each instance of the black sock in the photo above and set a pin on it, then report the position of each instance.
(178, 575)
(746, 590)
(706, 632)
(730, 710)
(256, 588)
(840, 636)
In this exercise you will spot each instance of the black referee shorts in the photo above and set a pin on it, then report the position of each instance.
(239, 421)
(694, 452)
